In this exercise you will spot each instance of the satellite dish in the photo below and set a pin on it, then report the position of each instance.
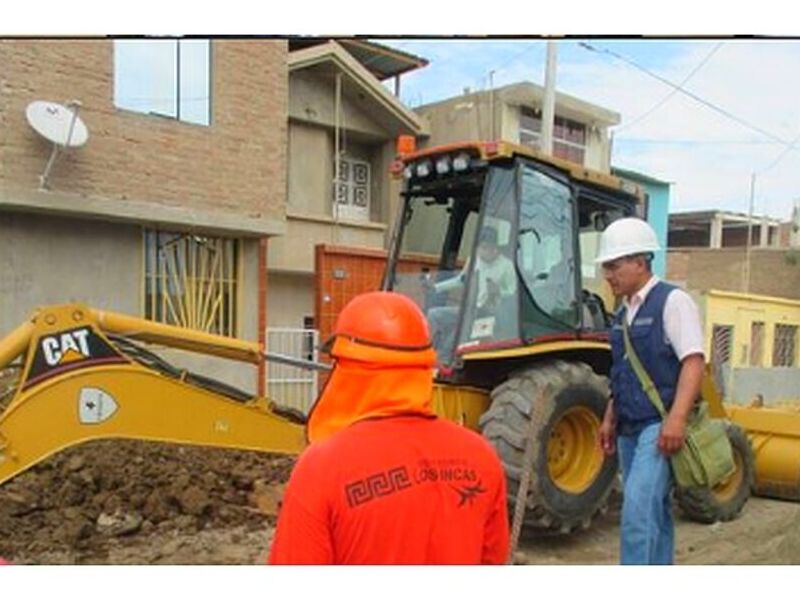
(57, 123)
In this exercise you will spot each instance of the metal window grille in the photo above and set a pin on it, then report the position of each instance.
(721, 351)
(288, 385)
(784, 352)
(757, 329)
(353, 189)
(192, 281)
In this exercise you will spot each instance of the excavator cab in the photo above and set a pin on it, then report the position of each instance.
(497, 246)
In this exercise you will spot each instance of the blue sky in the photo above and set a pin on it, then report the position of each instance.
(707, 153)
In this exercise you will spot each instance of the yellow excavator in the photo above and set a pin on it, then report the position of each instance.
(533, 368)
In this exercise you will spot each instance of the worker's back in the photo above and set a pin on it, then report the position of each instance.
(398, 490)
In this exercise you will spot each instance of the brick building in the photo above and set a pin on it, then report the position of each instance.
(167, 211)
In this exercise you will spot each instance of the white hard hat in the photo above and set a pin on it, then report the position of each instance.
(626, 237)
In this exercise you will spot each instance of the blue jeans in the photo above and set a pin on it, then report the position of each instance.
(647, 534)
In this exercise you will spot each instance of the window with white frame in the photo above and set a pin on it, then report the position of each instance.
(569, 137)
(170, 78)
(352, 190)
(191, 281)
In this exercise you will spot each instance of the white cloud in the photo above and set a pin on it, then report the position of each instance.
(709, 157)
(746, 79)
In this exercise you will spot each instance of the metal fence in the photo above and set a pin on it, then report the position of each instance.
(721, 349)
(784, 351)
(288, 385)
(755, 378)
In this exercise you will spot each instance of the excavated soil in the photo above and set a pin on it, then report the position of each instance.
(132, 502)
(129, 502)
(125, 502)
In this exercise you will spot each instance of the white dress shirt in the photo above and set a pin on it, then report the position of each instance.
(681, 319)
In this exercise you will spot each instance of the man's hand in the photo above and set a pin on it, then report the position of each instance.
(608, 431)
(673, 431)
(673, 434)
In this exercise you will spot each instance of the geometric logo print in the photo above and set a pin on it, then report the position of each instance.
(468, 493)
(375, 486)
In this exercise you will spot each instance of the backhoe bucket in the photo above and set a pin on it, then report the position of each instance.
(774, 434)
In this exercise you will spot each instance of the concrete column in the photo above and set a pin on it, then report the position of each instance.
(763, 238)
(549, 107)
(715, 240)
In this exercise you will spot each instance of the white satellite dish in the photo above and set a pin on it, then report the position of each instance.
(59, 124)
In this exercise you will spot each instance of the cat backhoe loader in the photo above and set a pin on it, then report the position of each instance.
(535, 349)
(87, 374)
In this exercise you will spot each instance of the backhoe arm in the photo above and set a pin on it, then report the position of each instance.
(76, 384)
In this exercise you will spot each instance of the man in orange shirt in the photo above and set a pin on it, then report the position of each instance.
(385, 481)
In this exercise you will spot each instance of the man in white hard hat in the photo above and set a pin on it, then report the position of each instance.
(665, 332)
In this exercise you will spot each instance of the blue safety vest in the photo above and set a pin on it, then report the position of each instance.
(633, 408)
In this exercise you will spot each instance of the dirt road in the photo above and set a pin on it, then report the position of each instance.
(767, 532)
(129, 502)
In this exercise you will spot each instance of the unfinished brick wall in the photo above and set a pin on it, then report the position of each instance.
(237, 164)
(773, 272)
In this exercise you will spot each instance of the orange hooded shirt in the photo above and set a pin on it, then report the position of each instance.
(385, 481)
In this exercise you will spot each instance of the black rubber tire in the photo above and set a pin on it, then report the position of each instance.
(573, 388)
(725, 501)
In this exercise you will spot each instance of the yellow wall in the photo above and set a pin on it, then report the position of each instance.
(740, 311)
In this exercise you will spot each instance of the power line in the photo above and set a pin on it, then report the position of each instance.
(691, 95)
(666, 98)
(781, 156)
(628, 140)
(533, 46)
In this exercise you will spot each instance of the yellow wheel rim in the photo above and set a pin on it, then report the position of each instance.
(574, 458)
(726, 489)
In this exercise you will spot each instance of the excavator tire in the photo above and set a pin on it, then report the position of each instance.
(725, 501)
(570, 478)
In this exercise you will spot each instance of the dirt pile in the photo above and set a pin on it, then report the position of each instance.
(86, 504)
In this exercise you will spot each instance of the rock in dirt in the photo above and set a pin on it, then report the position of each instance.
(118, 523)
(194, 501)
(267, 496)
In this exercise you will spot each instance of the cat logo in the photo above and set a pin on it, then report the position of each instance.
(63, 351)
(66, 347)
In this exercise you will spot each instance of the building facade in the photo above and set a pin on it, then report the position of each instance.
(167, 211)
(710, 250)
(753, 344)
(343, 124)
(723, 229)
(513, 113)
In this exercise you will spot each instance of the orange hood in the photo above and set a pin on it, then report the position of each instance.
(358, 390)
